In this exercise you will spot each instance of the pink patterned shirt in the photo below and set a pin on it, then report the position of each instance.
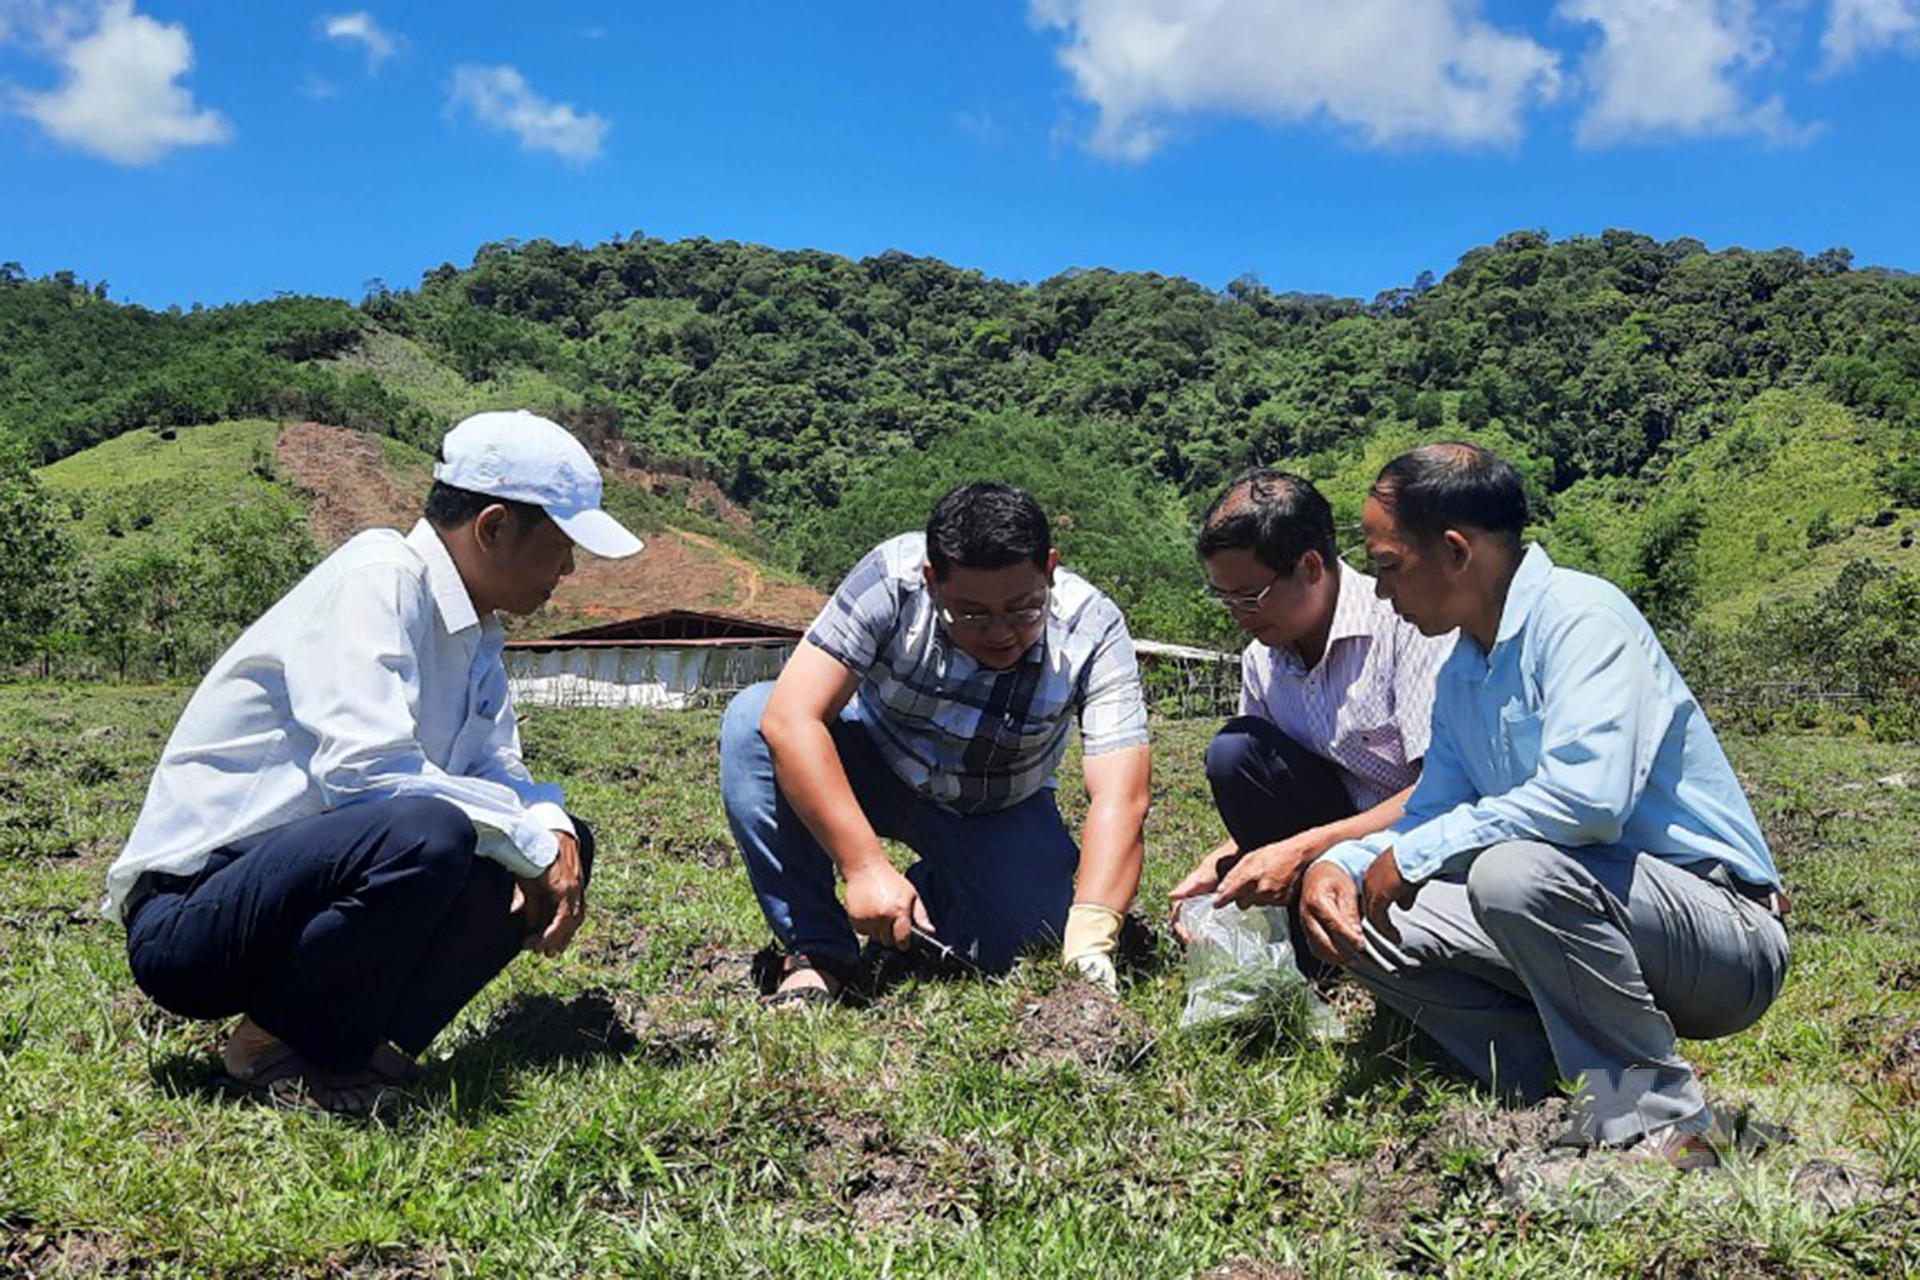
(1366, 705)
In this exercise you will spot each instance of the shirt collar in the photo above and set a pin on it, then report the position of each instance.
(1353, 608)
(443, 579)
(1524, 592)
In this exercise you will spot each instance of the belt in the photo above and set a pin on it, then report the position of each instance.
(1774, 900)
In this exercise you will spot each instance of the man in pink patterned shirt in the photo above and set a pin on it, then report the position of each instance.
(1335, 697)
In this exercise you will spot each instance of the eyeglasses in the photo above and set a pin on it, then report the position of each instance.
(1245, 602)
(1013, 619)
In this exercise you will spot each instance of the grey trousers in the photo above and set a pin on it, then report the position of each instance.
(1542, 965)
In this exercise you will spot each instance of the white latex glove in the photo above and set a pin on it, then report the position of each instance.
(1093, 933)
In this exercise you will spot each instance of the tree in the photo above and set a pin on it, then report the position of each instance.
(39, 569)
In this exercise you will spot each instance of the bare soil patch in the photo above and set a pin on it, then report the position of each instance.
(713, 966)
(621, 948)
(27, 1249)
(870, 1177)
(1901, 1064)
(1078, 1024)
(351, 488)
(666, 1040)
(1251, 1269)
(347, 480)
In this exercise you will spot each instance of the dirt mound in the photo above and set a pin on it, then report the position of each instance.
(1252, 1269)
(712, 966)
(1837, 1188)
(28, 1250)
(665, 1040)
(870, 1176)
(347, 479)
(1901, 1065)
(621, 948)
(1078, 1024)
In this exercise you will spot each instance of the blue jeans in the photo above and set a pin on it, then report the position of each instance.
(335, 932)
(992, 883)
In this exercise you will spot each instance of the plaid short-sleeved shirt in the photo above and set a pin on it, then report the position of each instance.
(1366, 705)
(966, 736)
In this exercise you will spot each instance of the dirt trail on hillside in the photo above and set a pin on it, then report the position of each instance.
(747, 592)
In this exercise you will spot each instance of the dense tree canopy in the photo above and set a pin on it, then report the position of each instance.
(1634, 381)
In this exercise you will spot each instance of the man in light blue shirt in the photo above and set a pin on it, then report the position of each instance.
(1578, 878)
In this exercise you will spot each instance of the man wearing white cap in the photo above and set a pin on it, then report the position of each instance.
(340, 841)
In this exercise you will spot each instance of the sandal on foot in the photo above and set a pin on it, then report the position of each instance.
(791, 997)
(282, 1078)
(394, 1066)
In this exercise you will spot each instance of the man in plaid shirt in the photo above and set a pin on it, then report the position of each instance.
(930, 703)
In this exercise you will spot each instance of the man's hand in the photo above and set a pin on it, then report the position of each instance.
(1269, 875)
(883, 905)
(1383, 888)
(1330, 913)
(1205, 876)
(555, 901)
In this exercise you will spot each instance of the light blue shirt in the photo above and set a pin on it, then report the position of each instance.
(1577, 730)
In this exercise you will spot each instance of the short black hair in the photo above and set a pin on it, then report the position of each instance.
(986, 525)
(1450, 485)
(449, 508)
(1276, 515)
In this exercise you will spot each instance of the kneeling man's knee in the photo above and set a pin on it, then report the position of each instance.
(1517, 879)
(740, 723)
(444, 836)
(1236, 746)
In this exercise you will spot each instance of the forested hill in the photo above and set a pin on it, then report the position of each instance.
(1694, 423)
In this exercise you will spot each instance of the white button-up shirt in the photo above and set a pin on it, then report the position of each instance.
(1366, 705)
(373, 678)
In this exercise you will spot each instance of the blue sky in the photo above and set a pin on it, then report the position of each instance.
(188, 150)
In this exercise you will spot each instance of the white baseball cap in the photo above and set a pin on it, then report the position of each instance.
(523, 457)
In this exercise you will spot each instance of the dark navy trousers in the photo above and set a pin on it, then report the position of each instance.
(1268, 787)
(375, 922)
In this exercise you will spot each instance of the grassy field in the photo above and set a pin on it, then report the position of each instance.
(630, 1109)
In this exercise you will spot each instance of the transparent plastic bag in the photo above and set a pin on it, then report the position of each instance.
(1240, 964)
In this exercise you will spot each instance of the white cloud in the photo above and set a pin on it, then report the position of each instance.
(1859, 27)
(1390, 70)
(1674, 69)
(118, 97)
(501, 98)
(45, 24)
(360, 28)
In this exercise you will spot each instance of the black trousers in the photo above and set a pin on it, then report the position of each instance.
(375, 922)
(1268, 787)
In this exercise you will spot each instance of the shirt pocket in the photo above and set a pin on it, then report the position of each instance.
(1382, 741)
(1518, 747)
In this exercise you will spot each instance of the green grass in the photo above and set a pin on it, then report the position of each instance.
(405, 367)
(711, 1137)
(151, 489)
